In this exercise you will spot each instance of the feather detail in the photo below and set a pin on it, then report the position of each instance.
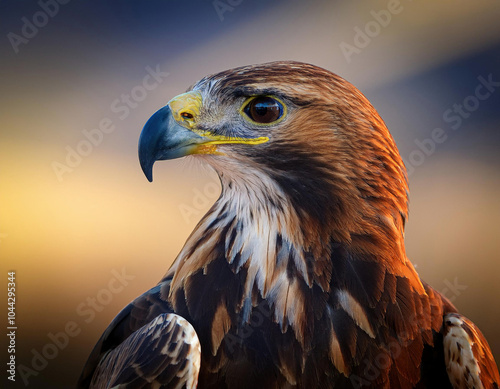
(336, 354)
(166, 352)
(355, 311)
(468, 359)
(221, 324)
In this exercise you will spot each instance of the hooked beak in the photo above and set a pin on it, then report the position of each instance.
(163, 138)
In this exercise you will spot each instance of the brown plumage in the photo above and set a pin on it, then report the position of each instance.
(297, 277)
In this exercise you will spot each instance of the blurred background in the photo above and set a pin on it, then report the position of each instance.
(86, 233)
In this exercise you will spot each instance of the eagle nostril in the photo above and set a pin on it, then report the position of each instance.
(187, 115)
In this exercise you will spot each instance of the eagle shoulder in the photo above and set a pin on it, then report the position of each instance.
(139, 313)
(166, 352)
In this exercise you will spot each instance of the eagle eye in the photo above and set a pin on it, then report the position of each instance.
(263, 109)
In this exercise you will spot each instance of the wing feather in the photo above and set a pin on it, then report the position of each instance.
(138, 313)
(164, 353)
(468, 358)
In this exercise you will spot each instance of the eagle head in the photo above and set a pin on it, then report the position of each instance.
(290, 133)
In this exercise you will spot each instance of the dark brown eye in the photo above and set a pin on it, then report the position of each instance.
(264, 109)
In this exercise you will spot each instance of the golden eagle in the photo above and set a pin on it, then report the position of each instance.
(297, 277)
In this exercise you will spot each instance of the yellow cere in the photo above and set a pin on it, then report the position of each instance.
(186, 107)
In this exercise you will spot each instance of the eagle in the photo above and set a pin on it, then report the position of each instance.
(297, 276)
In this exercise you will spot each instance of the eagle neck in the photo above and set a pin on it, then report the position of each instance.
(253, 236)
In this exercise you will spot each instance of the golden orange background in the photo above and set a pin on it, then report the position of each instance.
(67, 238)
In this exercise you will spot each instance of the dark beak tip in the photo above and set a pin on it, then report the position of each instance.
(147, 169)
(149, 140)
